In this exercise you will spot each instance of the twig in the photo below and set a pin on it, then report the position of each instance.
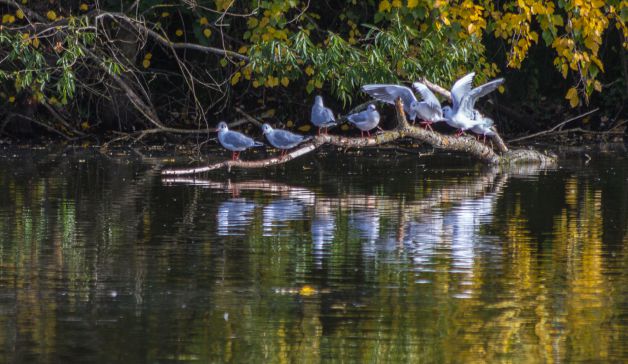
(176, 45)
(557, 126)
(43, 125)
(248, 117)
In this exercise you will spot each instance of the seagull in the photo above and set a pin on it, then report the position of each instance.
(462, 115)
(365, 120)
(485, 129)
(282, 139)
(322, 116)
(429, 110)
(234, 141)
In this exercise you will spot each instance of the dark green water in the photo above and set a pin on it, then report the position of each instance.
(330, 259)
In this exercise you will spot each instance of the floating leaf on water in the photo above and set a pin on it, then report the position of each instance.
(307, 290)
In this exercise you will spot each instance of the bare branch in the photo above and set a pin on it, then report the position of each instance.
(174, 45)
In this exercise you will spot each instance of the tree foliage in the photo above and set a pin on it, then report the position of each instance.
(190, 57)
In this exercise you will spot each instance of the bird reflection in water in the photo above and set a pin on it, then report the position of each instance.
(322, 229)
(234, 216)
(365, 221)
(279, 213)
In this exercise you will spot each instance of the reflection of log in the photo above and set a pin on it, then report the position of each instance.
(465, 144)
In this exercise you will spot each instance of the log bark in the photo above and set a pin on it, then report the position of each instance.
(465, 144)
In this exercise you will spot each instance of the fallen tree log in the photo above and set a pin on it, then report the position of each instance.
(464, 144)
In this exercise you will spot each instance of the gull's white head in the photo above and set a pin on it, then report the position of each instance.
(222, 127)
(318, 100)
(266, 128)
(414, 105)
(447, 112)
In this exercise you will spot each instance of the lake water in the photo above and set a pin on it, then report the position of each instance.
(330, 258)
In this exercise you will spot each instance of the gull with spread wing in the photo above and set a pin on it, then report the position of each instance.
(429, 110)
(462, 115)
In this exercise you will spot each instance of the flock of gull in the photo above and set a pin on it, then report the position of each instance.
(461, 115)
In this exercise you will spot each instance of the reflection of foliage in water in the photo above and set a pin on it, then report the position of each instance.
(121, 265)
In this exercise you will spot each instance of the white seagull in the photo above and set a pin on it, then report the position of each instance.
(365, 120)
(429, 110)
(463, 115)
(322, 117)
(234, 141)
(282, 139)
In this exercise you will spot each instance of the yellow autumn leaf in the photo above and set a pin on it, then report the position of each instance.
(285, 81)
(236, 78)
(148, 56)
(11, 99)
(85, 125)
(223, 4)
(207, 33)
(289, 123)
(307, 290)
(83, 7)
(384, 5)
(309, 70)
(203, 21)
(344, 127)
(36, 42)
(413, 4)
(51, 15)
(572, 96)
(304, 128)
(146, 63)
(19, 13)
(255, 84)
(597, 85)
(178, 32)
(165, 14)
(318, 83)
(396, 4)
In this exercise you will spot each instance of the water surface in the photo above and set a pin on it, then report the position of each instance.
(328, 259)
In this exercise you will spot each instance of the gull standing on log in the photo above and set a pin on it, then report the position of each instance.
(365, 120)
(429, 110)
(282, 139)
(322, 117)
(485, 129)
(463, 115)
(234, 141)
